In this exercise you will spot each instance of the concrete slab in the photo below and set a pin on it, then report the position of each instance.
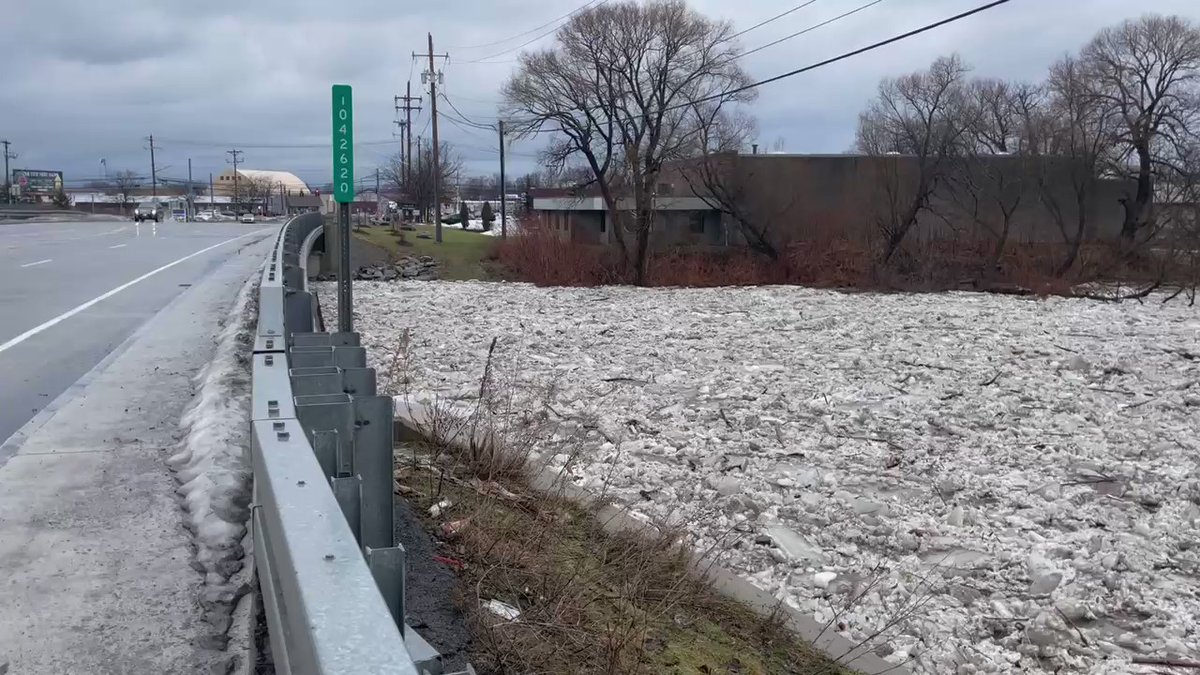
(96, 561)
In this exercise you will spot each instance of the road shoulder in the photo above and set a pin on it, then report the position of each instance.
(91, 539)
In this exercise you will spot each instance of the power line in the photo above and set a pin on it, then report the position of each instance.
(531, 30)
(464, 129)
(811, 28)
(464, 118)
(773, 19)
(268, 146)
(487, 59)
(843, 57)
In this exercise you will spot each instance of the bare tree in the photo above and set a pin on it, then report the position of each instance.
(715, 176)
(125, 182)
(1146, 75)
(1177, 213)
(628, 87)
(917, 119)
(1075, 135)
(255, 190)
(415, 183)
(995, 174)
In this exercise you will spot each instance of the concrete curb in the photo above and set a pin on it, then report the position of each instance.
(413, 421)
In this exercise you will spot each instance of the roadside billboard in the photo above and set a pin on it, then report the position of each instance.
(34, 182)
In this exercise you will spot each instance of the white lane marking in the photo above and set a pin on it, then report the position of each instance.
(101, 298)
(39, 262)
(118, 246)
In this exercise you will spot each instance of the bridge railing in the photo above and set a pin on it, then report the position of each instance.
(331, 577)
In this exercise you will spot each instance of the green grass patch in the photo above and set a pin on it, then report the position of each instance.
(591, 602)
(462, 254)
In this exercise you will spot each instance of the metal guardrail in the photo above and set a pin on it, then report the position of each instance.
(331, 577)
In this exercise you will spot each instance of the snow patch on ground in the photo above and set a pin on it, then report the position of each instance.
(213, 464)
(993, 484)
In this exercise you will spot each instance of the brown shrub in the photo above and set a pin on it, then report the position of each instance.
(539, 255)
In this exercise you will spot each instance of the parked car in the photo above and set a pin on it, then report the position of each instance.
(149, 211)
(247, 217)
(204, 216)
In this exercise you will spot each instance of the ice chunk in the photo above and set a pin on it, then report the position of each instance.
(794, 545)
(822, 579)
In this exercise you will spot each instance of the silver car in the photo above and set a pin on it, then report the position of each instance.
(149, 211)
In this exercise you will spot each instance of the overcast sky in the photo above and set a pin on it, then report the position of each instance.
(85, 80)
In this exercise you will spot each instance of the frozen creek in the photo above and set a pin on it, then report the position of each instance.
(992, 484)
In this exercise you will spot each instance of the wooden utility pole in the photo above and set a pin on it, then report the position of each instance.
(7, 156)
(236, 155)
(406, 126)
(503, 189)
(191, 196)
(432, 77)
(153, 170)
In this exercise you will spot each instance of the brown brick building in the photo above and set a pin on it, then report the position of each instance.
(812, 197)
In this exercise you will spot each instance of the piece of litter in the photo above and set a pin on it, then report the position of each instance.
(436, 509)
(453, 528)
(502, 609)
(448, 562)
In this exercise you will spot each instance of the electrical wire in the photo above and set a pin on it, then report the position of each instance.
(462, 128)
(464, 118)
(773, 19)
(811, 28)
(820, 64)
(488, 59)
(269, 146)
(842, 57)
(531, 30)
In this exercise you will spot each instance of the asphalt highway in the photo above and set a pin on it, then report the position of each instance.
(72, 292)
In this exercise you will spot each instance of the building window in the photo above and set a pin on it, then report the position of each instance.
(664, 188)
(696, 222)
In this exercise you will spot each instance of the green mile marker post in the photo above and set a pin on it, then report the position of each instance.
(343, 194)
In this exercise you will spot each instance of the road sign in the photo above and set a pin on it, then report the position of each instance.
(343, 144)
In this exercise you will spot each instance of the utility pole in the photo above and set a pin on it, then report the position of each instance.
(153, 170)
(191, 194)
(406, 125)
(211, 202)
(432, 77)
(421, 176)
(503, 189)
(7, 185)
(236, 155)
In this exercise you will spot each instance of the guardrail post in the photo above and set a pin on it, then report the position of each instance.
(309, 339)
(325, 447)
(348, 491)
(298, 314)
(317, 380)
(330, 412)
(373, 462)
(387, 566)
(342, 357)
(359, 381)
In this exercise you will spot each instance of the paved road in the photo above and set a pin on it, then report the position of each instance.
(72, 292)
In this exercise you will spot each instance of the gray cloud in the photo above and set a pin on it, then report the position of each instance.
(87, 80)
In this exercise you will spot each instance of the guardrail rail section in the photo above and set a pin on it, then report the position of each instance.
(330, 573)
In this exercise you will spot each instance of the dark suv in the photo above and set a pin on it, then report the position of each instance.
(149, 211)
